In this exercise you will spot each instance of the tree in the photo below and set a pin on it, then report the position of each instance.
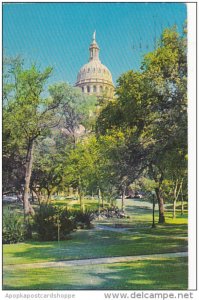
(89, 168)
(27, 116)
(12, 149)
(77, 170)
(176, 174)
(152, 104)
(73, 115)
(76, 111)
(47, 168)
(166, 68)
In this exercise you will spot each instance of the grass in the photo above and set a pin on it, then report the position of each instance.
(141, 239)
(165, 230)
(141, 215)
(90, 204)
(92, 244)
(159, 274)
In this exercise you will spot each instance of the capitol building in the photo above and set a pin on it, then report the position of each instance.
(94, 78)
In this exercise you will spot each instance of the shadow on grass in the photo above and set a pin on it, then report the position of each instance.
(93, 244)
(159, 274)
(166, 229)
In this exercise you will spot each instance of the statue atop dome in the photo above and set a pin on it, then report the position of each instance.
(94, 77)
(94, 35)
(94, 48)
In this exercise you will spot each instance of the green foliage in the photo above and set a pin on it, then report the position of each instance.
(152, 105)
(13, 227)
(44, 223)
(26, 116)
(47, 167)
(140, 135)
(49, 219)
(26, 112)
(83, 219)
(145, 184)
(67, 222)
(75, 107)
(51, 153)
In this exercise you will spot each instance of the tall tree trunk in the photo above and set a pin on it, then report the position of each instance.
(174, 208)
(99, 200)
(80, 193)
(98, 205)
(182, 203)
(80, 198)
(102, 197)
(38, 195)
(177, 190)
(175, 199)
(123, 197)
(160, 205)
(28, 209)
(158, 192)
(48, 195)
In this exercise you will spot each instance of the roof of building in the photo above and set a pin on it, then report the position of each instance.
(94, 70)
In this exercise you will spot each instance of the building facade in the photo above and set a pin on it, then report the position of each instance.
(94, 78)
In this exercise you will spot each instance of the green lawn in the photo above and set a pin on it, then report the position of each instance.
(164, 230)
(139, 240)
(92, 244)
(159, 274)
(71, 203)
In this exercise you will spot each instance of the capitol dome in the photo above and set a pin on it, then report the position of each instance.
(94, 77)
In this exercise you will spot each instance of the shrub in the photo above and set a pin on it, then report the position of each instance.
(67, 222)
(44, 222)
(47, 219)
(83, 219)
(13, 227)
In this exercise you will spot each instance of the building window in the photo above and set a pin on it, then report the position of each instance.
(88, 89)
(88, 70)
(94, 89)
(101, 89)
(82, 89)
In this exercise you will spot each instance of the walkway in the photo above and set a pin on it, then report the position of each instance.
(108, 228)
(94, 261)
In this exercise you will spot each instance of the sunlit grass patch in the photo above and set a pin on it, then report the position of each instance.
(167, 274)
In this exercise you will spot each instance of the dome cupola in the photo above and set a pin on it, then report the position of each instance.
(94, 49)
(94, 77)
